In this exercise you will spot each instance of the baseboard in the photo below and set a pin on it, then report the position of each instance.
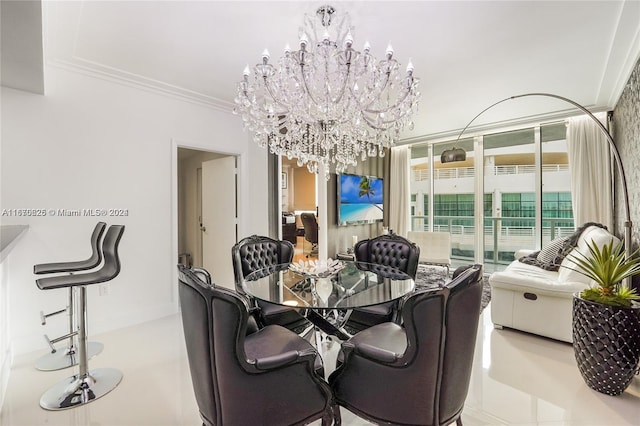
(5, 371)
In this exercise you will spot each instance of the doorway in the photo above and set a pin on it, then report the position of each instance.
(298, 195)
(207, 211)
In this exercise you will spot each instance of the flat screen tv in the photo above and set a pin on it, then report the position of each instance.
(360, 199)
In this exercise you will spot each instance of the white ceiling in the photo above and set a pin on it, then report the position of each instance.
(467, 54)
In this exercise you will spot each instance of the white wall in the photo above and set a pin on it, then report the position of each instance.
(5, 349)
(90, 143)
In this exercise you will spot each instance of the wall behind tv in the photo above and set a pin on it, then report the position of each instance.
(626, 119)
(341, 237)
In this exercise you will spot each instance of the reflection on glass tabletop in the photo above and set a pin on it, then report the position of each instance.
(349, 285)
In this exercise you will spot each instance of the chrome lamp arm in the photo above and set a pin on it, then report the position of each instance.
(612, 146)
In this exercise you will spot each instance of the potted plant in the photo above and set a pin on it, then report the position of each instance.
(606, 318)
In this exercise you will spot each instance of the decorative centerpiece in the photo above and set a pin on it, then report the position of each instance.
(606, 319)
(317, 269)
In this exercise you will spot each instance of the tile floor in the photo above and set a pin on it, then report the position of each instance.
(518, 379)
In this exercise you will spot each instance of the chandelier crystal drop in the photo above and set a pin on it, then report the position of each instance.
(327, 102)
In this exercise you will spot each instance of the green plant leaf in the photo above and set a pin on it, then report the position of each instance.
(607, 266)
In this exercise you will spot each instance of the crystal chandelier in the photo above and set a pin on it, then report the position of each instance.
(327, 102)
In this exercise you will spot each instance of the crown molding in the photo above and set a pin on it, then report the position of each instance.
(114, 75)
(504, 125)
(623, 55)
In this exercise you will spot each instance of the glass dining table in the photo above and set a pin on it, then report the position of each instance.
(327, 298)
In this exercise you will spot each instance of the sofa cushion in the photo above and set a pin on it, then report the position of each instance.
(568, 269)
(552, 255)
(525, 278)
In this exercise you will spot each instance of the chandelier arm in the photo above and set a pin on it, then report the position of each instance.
(306, 86)
(382, 89)
(397, 104)
(376, 127)
(344, 85)
(275, 99)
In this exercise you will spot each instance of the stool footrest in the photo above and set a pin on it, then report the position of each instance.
(66, 358)
(50, 342)
(43, 316)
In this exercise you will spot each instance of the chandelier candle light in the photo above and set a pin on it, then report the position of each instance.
(327, 102)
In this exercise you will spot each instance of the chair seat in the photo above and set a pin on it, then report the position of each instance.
(109, 270)
(380, 309)
(82, 265)
(273, 340)
(389, 340)
(367, 316)
(273, 314)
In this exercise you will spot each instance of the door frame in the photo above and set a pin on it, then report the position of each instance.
(200, 146)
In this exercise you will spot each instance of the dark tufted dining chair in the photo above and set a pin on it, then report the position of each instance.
(384, 255)
(267, 377)
(259, 252)
(417, 373)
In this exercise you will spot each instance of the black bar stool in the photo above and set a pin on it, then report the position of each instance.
(59, 359)
(86, 386)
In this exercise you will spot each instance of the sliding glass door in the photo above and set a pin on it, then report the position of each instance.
(512, 192)
(510, 183)
(557, 210)
(443, 195)
(454, 199)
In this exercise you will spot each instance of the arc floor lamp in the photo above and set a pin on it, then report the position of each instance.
(456, 154)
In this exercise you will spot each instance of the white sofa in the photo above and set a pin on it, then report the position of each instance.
(528, 298)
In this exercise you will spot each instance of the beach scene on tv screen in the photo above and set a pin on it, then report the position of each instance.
(360, 199)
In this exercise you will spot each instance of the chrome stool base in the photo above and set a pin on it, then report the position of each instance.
(77, 390)
(66, 358)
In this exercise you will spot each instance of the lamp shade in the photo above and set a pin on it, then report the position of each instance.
(452, 155)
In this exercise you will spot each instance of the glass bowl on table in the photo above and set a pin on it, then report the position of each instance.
(317, 269)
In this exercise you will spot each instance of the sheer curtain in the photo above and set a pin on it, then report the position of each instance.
(399, 192)
(591, 172)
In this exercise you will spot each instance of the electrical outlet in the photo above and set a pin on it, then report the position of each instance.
(105, 289)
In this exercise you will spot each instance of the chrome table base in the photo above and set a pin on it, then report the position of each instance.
(78, 390)
(66, 358)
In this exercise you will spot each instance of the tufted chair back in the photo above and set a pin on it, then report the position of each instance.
(386, 251)
(390, 256)
(258, 252)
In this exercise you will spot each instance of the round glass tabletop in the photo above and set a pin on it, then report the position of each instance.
(346, 285)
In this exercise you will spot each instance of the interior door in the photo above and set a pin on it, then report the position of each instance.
(219, 218)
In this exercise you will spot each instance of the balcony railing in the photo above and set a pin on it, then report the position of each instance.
(469, 172)
(503, 236)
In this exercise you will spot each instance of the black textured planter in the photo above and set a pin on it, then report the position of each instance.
(606, 344)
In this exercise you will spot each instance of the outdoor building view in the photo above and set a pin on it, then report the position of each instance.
(524, 186)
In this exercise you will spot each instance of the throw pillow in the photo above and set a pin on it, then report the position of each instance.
(551, 256)
(551, 253)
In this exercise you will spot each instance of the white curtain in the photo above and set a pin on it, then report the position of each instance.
(591, 172)
(399, 192)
